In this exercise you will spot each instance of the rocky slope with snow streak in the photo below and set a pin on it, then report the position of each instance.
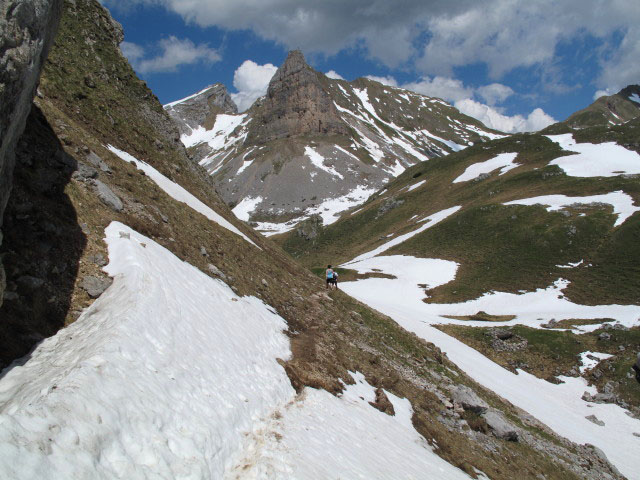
(315, 145)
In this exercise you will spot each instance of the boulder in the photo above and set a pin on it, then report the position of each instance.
(596, 420)
(468, 400)
(97, 162)
(27, 30)
(500, 427)
(85, 172)
(94, 286)
(106, 195)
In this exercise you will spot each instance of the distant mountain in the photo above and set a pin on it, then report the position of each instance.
(609, 110)
(201, 108)
(317, 146)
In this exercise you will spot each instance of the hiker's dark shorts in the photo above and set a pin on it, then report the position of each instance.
(329, 280)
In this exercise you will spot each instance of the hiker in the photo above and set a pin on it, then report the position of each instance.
(329, 274)
(334, 281)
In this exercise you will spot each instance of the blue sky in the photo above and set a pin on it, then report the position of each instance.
(514, 65)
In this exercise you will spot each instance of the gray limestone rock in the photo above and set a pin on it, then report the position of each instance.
(98, 259)
(467, 399)
(85, 172)
(106, 195)
(500, 427)
(94, 286)
(97, 162)
(201, 109)
(216, 272)
(27, 29)
(596, 420)
(297, 103)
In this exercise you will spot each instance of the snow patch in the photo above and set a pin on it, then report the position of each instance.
(218, 137)
(595, 160)
(432, 221)
(246, 207)
(318, 161)
(503, 161)
(416, 185)
(634, 98)
(621, 202)
(591, 359)
(178, 193)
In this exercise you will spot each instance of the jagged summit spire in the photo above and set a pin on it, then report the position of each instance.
(297, 103)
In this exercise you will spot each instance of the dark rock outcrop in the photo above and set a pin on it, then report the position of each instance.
(297, 103)
(201, 109)
(27, 29)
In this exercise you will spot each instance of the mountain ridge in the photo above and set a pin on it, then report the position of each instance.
(319, 146)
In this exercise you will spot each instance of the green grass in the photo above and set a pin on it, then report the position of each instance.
(498, 247)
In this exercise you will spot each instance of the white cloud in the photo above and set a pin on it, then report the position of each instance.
(251, 80)
(335, 75)
(173, 53)
(435, 36)
(535, 121)
(388, 80)
(623, 68)
(449, 89)
(495, 93)
(603, 93)
(132, 51)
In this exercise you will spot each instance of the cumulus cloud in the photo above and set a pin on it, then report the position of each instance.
(535, 121)
(132, 51)
(172, 52)
(388, 80)
(435, 36)
(495, 93)
(335, 75)
(603, 93)
(450, 89)
(251, 80)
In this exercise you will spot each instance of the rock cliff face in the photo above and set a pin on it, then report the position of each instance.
(297, 103)
(27, 29)
(201, 109)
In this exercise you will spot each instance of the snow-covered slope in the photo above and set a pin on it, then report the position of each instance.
(170, 374)
(162, 374)
(351, 138)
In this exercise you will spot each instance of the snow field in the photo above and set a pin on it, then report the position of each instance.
(323, 436)
(178, 193)
(621, 202)
(503, 161)
(159, 378)
(634, 98)
(595, 160)
(559, 406)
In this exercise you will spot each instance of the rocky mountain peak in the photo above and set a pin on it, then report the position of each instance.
(297, 103)
(201, 109)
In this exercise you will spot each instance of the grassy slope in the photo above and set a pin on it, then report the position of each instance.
(501, 247)
(329, 334)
